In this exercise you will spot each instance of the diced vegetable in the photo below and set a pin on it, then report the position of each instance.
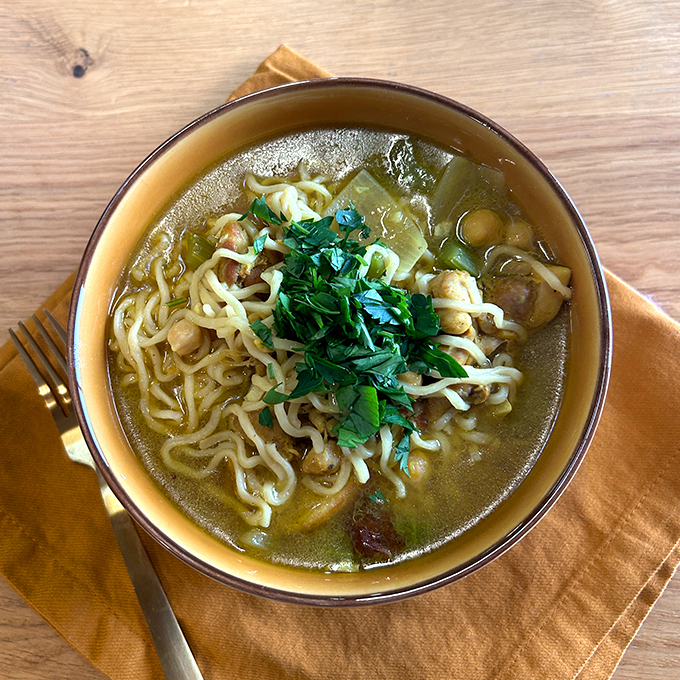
(377, 266)
(454, 256)
(465, 184)
(396, 229)
(196, 250)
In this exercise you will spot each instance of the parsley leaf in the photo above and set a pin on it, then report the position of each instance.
(401, 452)
(263, 332)
(447, 366)
(260, 209)
(274, 397)
(265, 418)
(258, 243)
(361, 420)
(350, 219)
(425, 320)
(376, 307)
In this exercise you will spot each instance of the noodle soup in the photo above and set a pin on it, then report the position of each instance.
(210, 357)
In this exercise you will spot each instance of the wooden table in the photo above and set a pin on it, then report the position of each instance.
(87, 89)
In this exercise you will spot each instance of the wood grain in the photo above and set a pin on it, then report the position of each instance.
(88, 89)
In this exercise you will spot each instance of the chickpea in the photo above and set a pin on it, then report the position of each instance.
(481, 227)
(520, 234)
(450, 285)
(454, 323)
(320, 510)
(323, 462)
(418, 468)
(184, 337)
(516, 268)
(462, 356)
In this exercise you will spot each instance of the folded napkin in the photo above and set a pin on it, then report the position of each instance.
(563, 603)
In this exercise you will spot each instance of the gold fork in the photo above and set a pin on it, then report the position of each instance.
(173, 651)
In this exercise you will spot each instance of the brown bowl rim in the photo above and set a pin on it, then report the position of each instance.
(461, 570)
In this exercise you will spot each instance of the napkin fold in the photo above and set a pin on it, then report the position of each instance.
(563, 603)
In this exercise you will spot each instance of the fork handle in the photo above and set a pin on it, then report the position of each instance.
(173, 651)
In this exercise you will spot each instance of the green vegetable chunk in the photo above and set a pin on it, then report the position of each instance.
(377, 266)
(196, 250)
(454, 256)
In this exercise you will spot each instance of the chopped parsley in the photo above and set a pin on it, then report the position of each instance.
(258, 243)
(260, 209)
(358, 334)
(265, 418)
(263, 332)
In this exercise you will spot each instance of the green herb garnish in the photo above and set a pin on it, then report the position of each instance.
(260, 209)
(263, 332)
(176, 303)
(454, 256)
(196, 249)
(378, 497)
(358, 334)
(401, 452)
(258, 243)
(265, 418)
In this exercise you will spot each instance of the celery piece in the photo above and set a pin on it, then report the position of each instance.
(454, 256)
(377, 266)
(196, 250)
(386, 219)
(467, 186)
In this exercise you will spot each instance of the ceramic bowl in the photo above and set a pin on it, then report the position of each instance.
(267, 114)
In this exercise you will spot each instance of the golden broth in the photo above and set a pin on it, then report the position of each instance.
(461, 486)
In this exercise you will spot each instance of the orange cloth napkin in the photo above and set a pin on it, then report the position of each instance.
(563, 603)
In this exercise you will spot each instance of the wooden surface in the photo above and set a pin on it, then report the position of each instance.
(87, 89)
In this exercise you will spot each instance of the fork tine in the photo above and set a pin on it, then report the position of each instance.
(62, 389)
(50, 343)
(43, 387)
(61, 332)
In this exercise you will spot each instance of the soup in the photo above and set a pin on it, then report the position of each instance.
(340, 349)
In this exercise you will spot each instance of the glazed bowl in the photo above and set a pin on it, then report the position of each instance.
(268, 114)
